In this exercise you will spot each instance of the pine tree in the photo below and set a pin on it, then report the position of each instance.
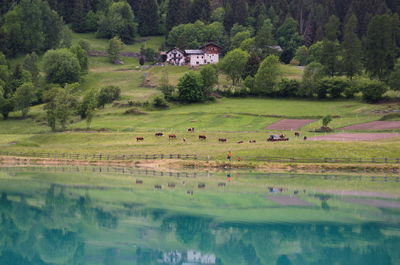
(31, 65)
(236, 11)
(177, 13)
(200, 10)
(78, 16)
(331, 47)
(351, 48)
(148, 18)
(380, 48)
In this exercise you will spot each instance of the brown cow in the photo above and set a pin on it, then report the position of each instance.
(171, 185)
(139, 181)
(252, 141)
(222, 140)
(305, 138)
(158, 187)
(221, 184)
(297, 134)
(138, 139)
(189, 192)
(240, 142)
(201, 185)
(190, 130)
(202, 137)
(172, 136)
(159, 134)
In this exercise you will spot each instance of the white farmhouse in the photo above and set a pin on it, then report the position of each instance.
(207, 54)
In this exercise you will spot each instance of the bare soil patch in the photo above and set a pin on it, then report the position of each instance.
(374, 125)
(288, 201)
(354, 137)
(289, 124)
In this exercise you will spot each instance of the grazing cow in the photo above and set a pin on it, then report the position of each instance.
(222, 140)
(138, 139)
(189, 192)
(221, 184)
(202, 137)
(252, 141)
(201, 185)
(172, 136)
(240, 142)
(305, 138)
(297, 134)
(158, 187)
(190, 130)
(184, 140)
(139, 181)
(296, 192)
(270, 189)
(282, 136)
(159, 134)
(171, 185)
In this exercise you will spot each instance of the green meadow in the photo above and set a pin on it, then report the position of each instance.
(237, 119)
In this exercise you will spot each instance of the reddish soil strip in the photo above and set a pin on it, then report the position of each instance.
(374, 125)
(288, 201)
(375, 203)
(361, 193)
(289, 124)
(354, 137)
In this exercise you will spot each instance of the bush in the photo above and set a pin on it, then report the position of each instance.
(373, 91)
(334, 86)
(160, 102)
(108, 95)
(61, 67)
(190, 88)
(288, 87)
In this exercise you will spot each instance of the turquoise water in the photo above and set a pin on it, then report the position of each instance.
(48, 217)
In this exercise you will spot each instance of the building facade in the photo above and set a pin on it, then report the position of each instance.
(207, 54)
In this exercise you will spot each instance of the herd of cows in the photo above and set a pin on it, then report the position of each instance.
(272, 138)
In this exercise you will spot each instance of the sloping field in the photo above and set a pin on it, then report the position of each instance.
(289, 124)
(354, 136)
(374, 125)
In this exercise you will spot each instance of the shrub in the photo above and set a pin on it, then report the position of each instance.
(108, 95)
(160, 102)
(61, 67)
(190, 88)
(334, 86)
(373, 91)
(288, 87)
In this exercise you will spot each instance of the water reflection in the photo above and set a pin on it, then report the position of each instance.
(65, 226)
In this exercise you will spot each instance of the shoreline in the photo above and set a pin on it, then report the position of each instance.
(215, 165)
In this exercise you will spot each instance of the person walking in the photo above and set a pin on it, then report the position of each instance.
(229, 156)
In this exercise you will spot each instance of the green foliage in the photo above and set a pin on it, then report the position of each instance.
(23, 98)
(264, 38)
(84, 45)
(165, 86)
(209, 76)
(238, 38)
(16, 79)
(118, 22)
(177, 13)
(160, 102)
(30, 64)
(312, 74)
(148, 18)
(218, 15)
(373, 91)
(149, 54)
(288, 87)
(394, 77)
(334, 86)
(107, 95)
(82, 57)
(326, 120)
(115, 47)
(266, 79)
(191, 88)
(352, 55)
(380, 45)
(331, 49)
(191, 36)
(200, 10)
(302, 55)
(61, 106)
(234, 63)
(289, 39)
(88, 106)
(236, 11)
(30, 26)
(61, 67)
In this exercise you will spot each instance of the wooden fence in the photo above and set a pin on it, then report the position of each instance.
(127, 157)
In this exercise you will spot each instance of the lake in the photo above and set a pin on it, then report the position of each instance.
(110, 215)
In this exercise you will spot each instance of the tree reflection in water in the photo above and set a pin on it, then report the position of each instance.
(53, 232)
